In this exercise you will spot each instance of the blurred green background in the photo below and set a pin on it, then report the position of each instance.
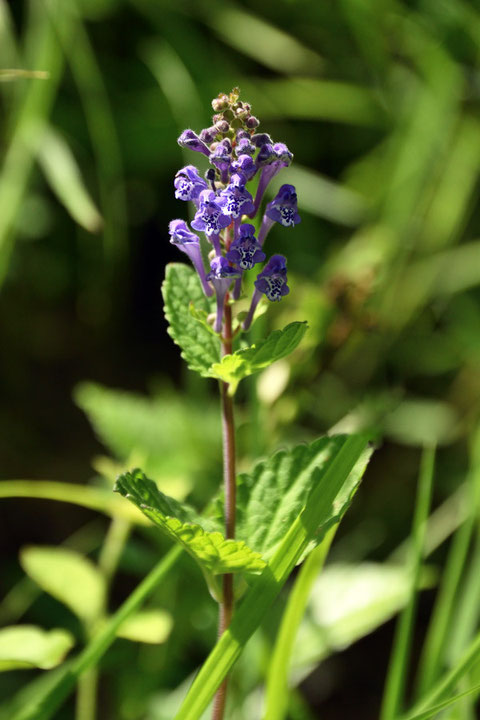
(379, 102)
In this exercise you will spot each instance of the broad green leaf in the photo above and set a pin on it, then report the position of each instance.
(271, 497)
(181, 287)
(210, 549)
(233, 368)
(63, 174)
(147, 626)
(317, 513)
(156, 430)
(68, 576)
(28, 646)
(347, 603)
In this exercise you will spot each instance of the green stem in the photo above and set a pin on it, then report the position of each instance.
(396, 676)
(86, 701)
(277, 695)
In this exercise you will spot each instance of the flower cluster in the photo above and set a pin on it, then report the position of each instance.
(238, 155)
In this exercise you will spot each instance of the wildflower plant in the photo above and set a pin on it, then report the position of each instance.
(269, 520)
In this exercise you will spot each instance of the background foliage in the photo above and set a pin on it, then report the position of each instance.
(379, 102)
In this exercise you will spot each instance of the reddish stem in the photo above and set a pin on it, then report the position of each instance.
(228, 428)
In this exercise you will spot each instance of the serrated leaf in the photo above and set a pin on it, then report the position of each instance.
(28, 646)
(68, 576)
(272, 496)
(208, 547)
(181, 287)
(147, 626)
(242, 363)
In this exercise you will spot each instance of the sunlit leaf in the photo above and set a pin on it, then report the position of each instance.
(347, 603)
(275, 492)
(68, 576)
(147, 626)
(180, 523)
(28, 646)
(242, 363)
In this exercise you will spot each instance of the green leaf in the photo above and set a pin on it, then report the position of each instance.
(271, 497)
(68, 576)
(233, 368)
(181, 287)
(28, 646)
(258, 599)
(180, 523)
(155, 430)
(347, 603)
(147, 626)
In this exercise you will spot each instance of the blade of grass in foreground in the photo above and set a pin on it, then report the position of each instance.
(43, 708)
(261, 595)
(443, 617)
(277, 680)
(431, 712)
(396, 676)
(469, 658)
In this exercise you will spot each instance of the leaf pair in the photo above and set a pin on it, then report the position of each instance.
(186, 309)
(270, 499)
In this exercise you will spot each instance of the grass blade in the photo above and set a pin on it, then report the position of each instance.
(396, 676)
(277, 691)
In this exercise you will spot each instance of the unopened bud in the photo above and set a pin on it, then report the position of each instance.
(252, 122)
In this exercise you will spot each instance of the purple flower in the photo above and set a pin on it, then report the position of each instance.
(245, 165)
(221, 157)
(283, 208)
(272, 281)
(190, 139)
(272, 157)
(188, 183)
(221, 276)
(189, 243)
(244, 144)
(235, 199)
(245, 251)
(209, 134)
(209, 218)
(261, 139)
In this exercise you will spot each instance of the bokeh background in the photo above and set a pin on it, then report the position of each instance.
(379, 102)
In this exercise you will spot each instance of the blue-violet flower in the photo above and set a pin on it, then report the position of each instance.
(188, 183)
(221, 276)
(189, 243)
(245, 251)
(190, 139)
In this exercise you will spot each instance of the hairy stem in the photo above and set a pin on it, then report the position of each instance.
(228, 428)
